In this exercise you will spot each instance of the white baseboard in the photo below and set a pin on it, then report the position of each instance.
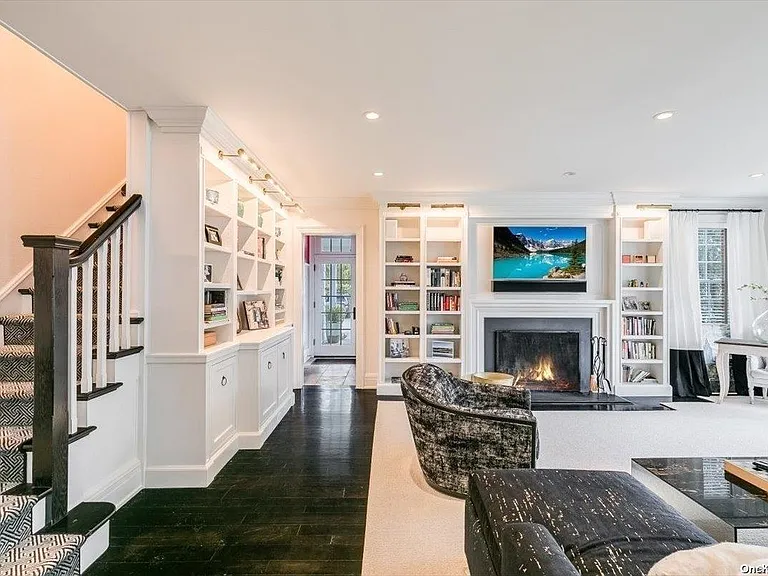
(370, 380)
(120, 487)
(255, 440)
(389, 390)
(186, 476)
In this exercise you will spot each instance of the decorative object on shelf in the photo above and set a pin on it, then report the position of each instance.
(211, 196)
(403, 259)
(415, 330)
(626, 259)
(278, 232)
(640, 259)
(239, 284)
(396, 380)
(240, 208)
(645, 305)
(760, 323)
(260, 220)
(599, 347)
(256, 314)
(212, 235)
(261, 248)
(209, 338)
(207, 273)
(404, 278)
(632, 283)
(629, 303)
(651, 259)
(399, 348)
(442, 349)
(279, 275)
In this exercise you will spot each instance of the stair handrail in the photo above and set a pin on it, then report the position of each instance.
(103, 232)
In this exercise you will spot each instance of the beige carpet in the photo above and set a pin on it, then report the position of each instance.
(410, 529)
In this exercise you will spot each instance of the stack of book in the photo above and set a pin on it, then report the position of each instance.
(408, 306)
(447, 260)
(444, 278)
(403, 258)
(440, 302)
(390, 301)
(442, 349)
(442, 328)
(215, 312)
(391, 326)
(629, 374)
(637, 326)
(639, 350)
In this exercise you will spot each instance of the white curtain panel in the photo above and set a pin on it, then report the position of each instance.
(683, 277)
(747, 264)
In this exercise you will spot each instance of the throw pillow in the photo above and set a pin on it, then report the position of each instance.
(725, 559)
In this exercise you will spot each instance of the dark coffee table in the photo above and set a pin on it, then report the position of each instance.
(698, 488)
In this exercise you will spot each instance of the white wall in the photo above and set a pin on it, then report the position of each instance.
(62, 146)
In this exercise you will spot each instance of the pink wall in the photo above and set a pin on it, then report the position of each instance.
(62, 147)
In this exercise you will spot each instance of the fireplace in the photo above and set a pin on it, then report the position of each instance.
(549, 354)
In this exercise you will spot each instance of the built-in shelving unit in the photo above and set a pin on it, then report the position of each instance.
(242, 259)
(641, 289)
(421, 234)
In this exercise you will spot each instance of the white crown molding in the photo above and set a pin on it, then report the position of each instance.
(338, 203)
(178, 119)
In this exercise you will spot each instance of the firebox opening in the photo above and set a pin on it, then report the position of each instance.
(540, 360)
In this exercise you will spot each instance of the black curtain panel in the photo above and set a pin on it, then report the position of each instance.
(688, 374)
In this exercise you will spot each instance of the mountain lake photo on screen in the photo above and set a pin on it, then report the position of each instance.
(540, 253)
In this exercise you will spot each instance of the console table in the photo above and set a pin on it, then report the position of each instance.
(728, 346)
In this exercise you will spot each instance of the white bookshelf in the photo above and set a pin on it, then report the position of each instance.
(641, 289)
(424, 233)
(244, 263)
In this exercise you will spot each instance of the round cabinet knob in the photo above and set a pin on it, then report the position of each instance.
(223, 380)
(283, 355)
(269, 365)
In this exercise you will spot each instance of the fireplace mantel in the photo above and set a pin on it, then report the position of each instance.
(600, 312)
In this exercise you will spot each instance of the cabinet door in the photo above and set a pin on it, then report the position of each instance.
(267, 382)
(222, 386)
(284, 369)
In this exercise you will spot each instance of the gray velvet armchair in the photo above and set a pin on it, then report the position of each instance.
(459, 426)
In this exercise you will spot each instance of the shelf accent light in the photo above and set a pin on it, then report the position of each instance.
(653, 206)
(240, 154)
(293, 205)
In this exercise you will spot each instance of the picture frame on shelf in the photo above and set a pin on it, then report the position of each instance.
(207, 273)
(212, 235)
(399, 348)
(629, 303)
(211, 196)
(256, 314)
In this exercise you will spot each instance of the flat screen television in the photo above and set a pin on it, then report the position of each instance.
(539, 259)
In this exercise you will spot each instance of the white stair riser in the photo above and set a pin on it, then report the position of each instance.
(38, 515)
(96, 544)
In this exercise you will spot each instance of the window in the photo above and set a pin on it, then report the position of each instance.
(712, 276)
(336, 245)
(713, 287)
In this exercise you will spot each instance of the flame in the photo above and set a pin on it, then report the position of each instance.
(542, 371)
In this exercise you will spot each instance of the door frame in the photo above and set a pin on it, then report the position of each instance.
(361, 298)
(319, 260)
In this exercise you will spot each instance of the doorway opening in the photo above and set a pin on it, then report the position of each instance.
(329, 310)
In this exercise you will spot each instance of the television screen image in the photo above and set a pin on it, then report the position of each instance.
(539, 257)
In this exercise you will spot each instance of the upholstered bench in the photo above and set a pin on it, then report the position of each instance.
(569, 523)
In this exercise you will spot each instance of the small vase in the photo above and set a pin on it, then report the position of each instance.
(760, 327)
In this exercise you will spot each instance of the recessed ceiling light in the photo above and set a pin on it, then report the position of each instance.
(378, 174)
(371, 115)
(666, 115)
(569, 173)
(757, 175)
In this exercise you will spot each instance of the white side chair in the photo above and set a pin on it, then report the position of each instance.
(757, 375)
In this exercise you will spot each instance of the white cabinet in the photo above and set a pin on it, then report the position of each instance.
(222, 393)
(265, 391)
(268, 382)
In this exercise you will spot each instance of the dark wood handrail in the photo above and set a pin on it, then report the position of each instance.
(103, 232)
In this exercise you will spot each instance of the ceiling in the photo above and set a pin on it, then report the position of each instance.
(474, 97)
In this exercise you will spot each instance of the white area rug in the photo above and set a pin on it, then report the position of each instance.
(412, 529)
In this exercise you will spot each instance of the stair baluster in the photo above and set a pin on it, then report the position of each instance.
(114, 289)
(72, 350)
(86, 350)
(101, 317)
(125, 286)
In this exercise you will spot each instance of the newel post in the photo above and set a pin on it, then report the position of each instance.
(50, 429)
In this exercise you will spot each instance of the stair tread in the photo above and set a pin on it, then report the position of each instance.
(13, 507)
(82, 432)
(25, 489)
(17, 390)
(12, 437)
(84, 519)
(17, 351)
(42, 554)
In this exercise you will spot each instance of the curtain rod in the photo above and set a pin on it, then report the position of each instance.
(715, 210)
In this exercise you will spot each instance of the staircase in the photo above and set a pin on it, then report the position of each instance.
(82, 284)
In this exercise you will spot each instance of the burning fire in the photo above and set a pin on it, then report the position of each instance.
(542, 371)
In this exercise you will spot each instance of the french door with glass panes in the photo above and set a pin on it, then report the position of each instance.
(334, 306)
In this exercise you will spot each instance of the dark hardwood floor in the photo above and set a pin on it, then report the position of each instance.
(297, 506)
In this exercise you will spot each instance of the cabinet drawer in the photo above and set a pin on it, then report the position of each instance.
(222, 386)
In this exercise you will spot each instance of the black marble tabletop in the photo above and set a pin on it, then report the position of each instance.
(704, 481)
